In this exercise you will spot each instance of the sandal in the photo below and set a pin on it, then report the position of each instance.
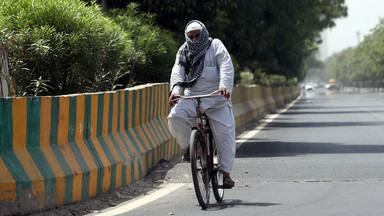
(228, 183)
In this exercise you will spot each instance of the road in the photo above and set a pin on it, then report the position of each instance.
(323, 155)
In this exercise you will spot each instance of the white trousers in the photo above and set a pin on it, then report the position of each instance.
(183, 117)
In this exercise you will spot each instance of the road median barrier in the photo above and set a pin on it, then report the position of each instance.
(62, 149)
(252, 102)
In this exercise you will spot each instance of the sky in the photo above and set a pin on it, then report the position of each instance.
(363, 15)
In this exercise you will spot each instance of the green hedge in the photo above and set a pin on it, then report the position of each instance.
(69, 46)
(156, 46)
(66, 44)
(273, 80)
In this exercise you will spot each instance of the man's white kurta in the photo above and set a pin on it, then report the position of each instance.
(218, 72)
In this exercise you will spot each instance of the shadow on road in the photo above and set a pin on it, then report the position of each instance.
(257, 148)
(322, 124)
(235, 203)
(330, 112)
(299, 106)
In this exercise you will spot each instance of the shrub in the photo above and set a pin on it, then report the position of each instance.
(157, 47)
(293, 82)
(277, 80)
(272, 80)
(246, 78)
(261, 78)
(73, 47)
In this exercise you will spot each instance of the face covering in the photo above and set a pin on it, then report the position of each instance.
(192, 54)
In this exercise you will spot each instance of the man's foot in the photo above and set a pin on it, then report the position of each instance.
(186, 156)
(228, 183)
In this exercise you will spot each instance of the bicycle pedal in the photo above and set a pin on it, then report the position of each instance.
(223, 187)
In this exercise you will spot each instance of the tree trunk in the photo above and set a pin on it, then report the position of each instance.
(4, 71)
(104, 4)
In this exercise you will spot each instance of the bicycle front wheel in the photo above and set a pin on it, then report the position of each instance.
(200, 173)
(217, 174)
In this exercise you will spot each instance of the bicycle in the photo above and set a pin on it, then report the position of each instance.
(204, 157)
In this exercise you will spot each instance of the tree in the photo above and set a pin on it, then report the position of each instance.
(272, 35)
(361, 66)
(156, 46)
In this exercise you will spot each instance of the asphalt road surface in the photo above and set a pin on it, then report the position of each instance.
(323, 155)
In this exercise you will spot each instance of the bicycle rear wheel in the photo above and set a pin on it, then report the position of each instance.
(217, 174)
(200, 173)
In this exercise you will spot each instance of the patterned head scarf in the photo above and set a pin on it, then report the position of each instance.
(192, 53)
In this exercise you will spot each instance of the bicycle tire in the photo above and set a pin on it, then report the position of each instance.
(200, 174)
(217, 174)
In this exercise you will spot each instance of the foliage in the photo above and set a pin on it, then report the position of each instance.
(273, 35)
(246, 78)
(361, 66)
(277, 80)
(272, 80)
(293, 82)
(313, 62)
(73, 47)
(157, 47)
(173, 15)
(38, 87)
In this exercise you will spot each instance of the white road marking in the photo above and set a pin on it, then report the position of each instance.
(130, 205)
(267, 119)
(140, 201)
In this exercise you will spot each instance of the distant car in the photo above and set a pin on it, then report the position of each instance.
(309, 87)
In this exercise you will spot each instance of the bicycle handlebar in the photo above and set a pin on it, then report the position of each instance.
(217, 93)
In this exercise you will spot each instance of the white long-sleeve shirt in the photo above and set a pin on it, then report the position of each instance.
(218, 72)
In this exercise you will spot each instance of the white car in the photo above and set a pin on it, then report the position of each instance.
(309, 87)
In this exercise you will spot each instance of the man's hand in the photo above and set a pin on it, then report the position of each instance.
(225, 92)
(170, 99)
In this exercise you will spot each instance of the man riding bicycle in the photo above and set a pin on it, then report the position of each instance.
(202, 66)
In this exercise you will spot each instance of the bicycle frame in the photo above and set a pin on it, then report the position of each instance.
(206, 158)
(201, 118)
(203, 124)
